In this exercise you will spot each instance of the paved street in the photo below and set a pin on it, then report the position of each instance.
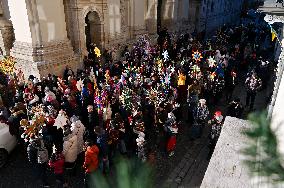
(187, 168)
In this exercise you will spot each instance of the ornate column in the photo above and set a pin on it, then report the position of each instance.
(41, 46)
(6, 34)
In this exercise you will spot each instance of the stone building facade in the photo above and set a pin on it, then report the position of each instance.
(51, 34)
(211, 14)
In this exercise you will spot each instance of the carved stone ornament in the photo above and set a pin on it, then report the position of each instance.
(273, 19)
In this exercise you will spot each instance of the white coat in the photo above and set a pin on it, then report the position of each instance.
(78, 129)
(70, 148)
(107, 112)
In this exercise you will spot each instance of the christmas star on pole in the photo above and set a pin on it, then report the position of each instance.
(211, 62)
(165, 55)
(197, 56)
(97, 52)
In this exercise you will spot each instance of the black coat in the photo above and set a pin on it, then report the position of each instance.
(32, 152)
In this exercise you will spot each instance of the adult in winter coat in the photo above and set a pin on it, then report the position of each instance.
(78, 129)
(216, 127)
(200, 117)
(91, 162)
(102, 139)
(70, 147)
(57, 163)
(91, 123)
(38, 167)
(253, 84)
(49, 95)
(32, 151)
(235, 108)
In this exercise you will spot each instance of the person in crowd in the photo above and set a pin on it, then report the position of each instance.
(70, 147)
(216, 127)
(91, 163)
(201, 115)
(235, 108)
(253, 85)
(193, 94)
(172, 130)
(78, 129)
(101, 141)
(181, 87)
(57, 164)
(92, 122)
(70, 152)
(37, 159)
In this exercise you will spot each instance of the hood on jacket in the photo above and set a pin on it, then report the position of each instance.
(93, 149)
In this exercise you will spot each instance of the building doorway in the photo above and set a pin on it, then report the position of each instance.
(93, 30)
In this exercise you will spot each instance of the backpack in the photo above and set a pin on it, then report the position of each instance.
(42, 154)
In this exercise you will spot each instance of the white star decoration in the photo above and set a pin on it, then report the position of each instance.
(60, 121)
(167, 79)
(165, 55)
(211, 61)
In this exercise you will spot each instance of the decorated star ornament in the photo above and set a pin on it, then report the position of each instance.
(165, 55)
(197, 56)
(97, 52)
(7, 65)
(195, 68)
(167, 79)
(60, 121)
(212, 75)
(211, 62)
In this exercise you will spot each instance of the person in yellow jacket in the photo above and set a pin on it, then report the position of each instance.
(181, 87)
(181, 79)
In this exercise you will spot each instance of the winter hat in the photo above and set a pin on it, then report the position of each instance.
(49, 99)
(202, 101)
(98, 130)
(218, 116)
(74, 118)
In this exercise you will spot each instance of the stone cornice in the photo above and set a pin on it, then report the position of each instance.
(274, 19)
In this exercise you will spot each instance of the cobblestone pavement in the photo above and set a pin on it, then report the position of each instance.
(185, 169)
(188, 167)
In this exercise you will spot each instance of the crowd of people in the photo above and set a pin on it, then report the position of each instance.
(130, 106)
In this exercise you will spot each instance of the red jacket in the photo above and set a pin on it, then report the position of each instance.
(58, 164)
(91, 159)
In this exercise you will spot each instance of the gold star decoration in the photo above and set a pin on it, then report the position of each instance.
(7, 65)
(97, 52)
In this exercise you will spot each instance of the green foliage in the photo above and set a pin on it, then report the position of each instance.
(128, 174)
(263, 158)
